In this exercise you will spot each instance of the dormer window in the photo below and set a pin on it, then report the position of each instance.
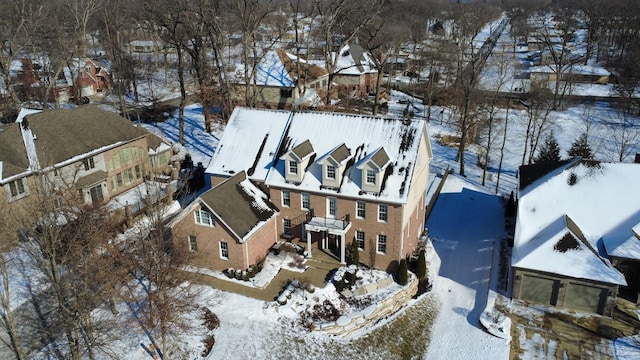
(373, 167)
(293, 167)
(331, 172)
(371, 177)
(296, 161)
(334, 164)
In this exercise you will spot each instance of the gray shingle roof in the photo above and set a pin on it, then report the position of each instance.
(380, 158)
(341, 153)
(12, 152)
(63, 134)
(303, 150)
(236, 206)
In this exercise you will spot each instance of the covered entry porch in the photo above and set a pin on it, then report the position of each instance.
(333, 233)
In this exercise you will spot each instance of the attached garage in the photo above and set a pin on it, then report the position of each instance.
(585, 298)
(539, 289)
(553, 290)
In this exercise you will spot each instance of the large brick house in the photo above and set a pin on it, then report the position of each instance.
(98, 153)
(335, 178)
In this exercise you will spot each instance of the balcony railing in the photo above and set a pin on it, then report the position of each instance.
(327, 223)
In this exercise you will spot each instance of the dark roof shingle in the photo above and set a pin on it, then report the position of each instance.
(236, 207)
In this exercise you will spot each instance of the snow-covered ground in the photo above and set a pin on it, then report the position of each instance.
(465, 226)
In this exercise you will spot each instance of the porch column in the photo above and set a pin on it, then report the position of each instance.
(342, 261)
(308, 243)
(324, 240)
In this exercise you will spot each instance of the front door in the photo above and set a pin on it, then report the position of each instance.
(96, 195)
(332, 207)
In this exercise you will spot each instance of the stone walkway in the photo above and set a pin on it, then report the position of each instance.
(318, 267)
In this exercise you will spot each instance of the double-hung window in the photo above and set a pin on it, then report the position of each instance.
(17, 189)
(286, 198)
(360, 239)
(193, 243)
(371, 177)
(224, 250)
(360, 209)
(382, 244)
(293, 167)
(306, 201)
(331, 172)
(88, 164)
(383, 212)
(204, 217)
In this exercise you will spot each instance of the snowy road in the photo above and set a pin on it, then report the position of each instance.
(463, 227)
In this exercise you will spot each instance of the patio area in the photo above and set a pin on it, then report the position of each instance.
(316, 273)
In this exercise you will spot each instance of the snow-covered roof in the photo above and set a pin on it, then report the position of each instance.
(271, 71)
(573, 69)
(601, 199)
(278, 68)
(255, 139)
(354, 60)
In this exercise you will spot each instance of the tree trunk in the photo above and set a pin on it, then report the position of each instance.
(183, 94)
(504, 141)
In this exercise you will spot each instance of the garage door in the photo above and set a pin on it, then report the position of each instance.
(538, 289)
(584, 298)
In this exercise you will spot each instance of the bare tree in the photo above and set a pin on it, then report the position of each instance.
(154, 259)
(539, 108)
(338, 23)
(82, 12)
(624, 136)
(20, 20)
(470, 19)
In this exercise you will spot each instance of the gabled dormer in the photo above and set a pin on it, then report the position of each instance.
(297, 160)
(373, 168)
(333, 165)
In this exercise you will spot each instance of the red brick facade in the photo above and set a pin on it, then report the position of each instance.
(208, 253)
(397, 246)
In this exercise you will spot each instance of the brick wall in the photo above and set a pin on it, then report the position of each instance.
(208, 244)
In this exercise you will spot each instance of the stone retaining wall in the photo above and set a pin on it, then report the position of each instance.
(346, 325)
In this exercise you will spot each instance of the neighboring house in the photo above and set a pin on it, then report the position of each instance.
(33, 77)
(336, 178)
(91, 77)
(576, 235)
(230, 226)
(355, 70)
(96, 152)
(278, 83)
(574, 73)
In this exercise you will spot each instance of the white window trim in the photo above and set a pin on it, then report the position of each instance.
(364, 210)
(293, 165)
(366, 177)
(378, 244)
(19, 195)
(329, 215)
(196, 216)
(380, 206)
(302, 195)
(363, 239)
(220, 248)
(288, 198)
(191, 248)
(335, 172)
(284, 228)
